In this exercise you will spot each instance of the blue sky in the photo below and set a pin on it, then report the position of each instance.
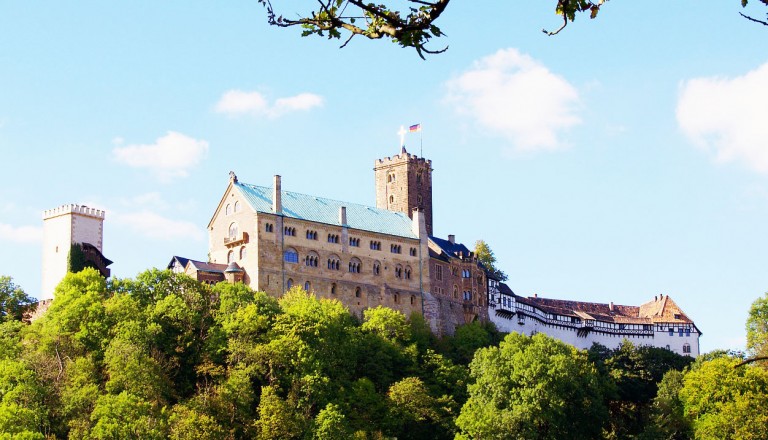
(624, 158)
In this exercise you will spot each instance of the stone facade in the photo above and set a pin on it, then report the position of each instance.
(404, 184)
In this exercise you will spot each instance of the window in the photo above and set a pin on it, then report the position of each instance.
(333, 238)
(230, 256)
(233, 230)
(395, 248)
(465, 273)
(455, 271)
(687, 332)
(289, 231)
(390, 177)
(375, 245)
(398, 271)
(455, 291)
(333, 289)
(307, 286)
(355, 242)
(376, 268)
(269, 227)
(413, 252)
(397, 298)
(686, 348)
(291, 256)
(413, 300)
(334, 263)
(418, 177)
(228, 209)
(391, 199)
(237, 206)
(289, 283)
(311, 235)
(357, 292)
(311, 260)
(438, 272)
(467, 295)
(354, 265)
(242, 252)
(407, 273)
(680, 332)
(419, 200)
(671, 332)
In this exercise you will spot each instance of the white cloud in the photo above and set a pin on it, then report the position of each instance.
(155, 226)
(21, 234)
(237, 102)
(728, 116)
(515, 96)
(171, 156)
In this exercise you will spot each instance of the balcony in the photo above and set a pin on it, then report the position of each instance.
(236, 240)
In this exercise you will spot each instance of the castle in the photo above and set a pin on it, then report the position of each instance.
(273, 240)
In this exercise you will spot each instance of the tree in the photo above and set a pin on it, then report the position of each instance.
(412, 27)
(13, 301)
(724, 402)
(485, 256)
(757, 327)
(534, 388)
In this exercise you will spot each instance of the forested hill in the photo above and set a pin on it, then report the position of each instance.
(163, 356)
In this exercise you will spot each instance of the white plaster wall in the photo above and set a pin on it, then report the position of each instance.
(57, 238)
(86, 229)
(660, 339)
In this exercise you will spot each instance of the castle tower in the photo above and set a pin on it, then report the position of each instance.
(404, 183)
(63, 227)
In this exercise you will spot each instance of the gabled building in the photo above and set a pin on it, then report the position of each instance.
(659, 323)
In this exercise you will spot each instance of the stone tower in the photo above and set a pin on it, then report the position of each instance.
(63, 227)
(404, 183)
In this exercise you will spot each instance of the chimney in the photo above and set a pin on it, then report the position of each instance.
(277, 197)
(451, 238)
(343, 215)
(610, 306)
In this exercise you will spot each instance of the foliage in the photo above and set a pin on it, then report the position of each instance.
(76, 258)
(163, 356)
(13, 301)
(485, 256)
(414, 26)
(757, 327)
(533, 388)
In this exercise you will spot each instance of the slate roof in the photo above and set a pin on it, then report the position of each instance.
(208, 267)
(322, 210)
(182, 261)
(449, 248)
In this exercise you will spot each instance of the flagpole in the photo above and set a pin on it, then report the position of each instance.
(421, 140)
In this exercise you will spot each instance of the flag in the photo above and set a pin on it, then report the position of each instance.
(414, 128)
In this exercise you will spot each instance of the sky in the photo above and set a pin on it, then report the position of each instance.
(624, 158)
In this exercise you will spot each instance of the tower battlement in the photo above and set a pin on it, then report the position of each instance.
(73, 209)
(400, 158)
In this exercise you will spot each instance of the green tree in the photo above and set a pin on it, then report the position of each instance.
(485, 256)
(533, 388)
(331, 424)
(724, 402)
(757, 327)
(13, 301)
(668, 419)
(277, 420)
(415, 414)
(388, 323)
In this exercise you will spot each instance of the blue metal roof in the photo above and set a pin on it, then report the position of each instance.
(322, 210)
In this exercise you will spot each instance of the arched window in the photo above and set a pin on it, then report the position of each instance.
(242, 253)
(376, 268)
(333, 289)
(289, 283)
(237, 206)
(354, 265)
(233, 230)
(455, 291)
(308, 286)
(334, 262)
(391, 199)
(228, 209)
(398, 271)
(311, 259)
(413, 299)
(686, 348)
(230, 256)
(291, 256)
(407, 272)
(357, 292)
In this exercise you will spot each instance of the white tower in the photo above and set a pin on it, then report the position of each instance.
(63, 227)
